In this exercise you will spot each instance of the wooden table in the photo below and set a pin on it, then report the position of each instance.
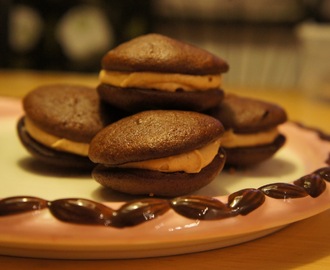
(303, 245)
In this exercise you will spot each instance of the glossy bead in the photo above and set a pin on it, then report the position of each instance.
(21, 204)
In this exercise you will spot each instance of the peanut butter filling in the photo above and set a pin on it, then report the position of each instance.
(160, 81)
(191, 162)
(57, 143)
(231, 139)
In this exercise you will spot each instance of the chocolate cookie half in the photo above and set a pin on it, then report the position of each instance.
(157, 72)
(60, 121)
(158, 152)
(251, 134)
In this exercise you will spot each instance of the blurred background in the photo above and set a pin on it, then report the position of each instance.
(277, 44)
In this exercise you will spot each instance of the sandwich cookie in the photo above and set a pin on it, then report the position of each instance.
(59, 123)
(158, 152)
(157, 72)
(251, 134)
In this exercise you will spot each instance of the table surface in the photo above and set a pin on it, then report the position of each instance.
(302, 245)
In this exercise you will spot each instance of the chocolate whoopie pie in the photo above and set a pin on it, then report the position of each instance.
(60, 121)
(157, 72)
(158, 152)
(251, 134)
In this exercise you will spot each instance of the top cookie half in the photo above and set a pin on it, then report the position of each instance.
(158, 53)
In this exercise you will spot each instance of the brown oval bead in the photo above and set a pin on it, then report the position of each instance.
(139, 211)
(81, 211)
(324, 173)
(283, 191)
(201, 207)
(246, 200)
(313, 184)
(21, 204)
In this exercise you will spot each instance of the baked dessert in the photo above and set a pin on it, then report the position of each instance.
(158, 152)
(60, 121)
(251, 134)
(157, 72)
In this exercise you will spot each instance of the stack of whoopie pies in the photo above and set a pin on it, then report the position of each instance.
(166, 146)
(157, 124)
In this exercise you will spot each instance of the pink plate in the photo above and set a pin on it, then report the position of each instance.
(39, 233)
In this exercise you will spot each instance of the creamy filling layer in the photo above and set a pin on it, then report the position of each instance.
(231, 139)
(191, 162)
(160, 81)
(57, 143)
